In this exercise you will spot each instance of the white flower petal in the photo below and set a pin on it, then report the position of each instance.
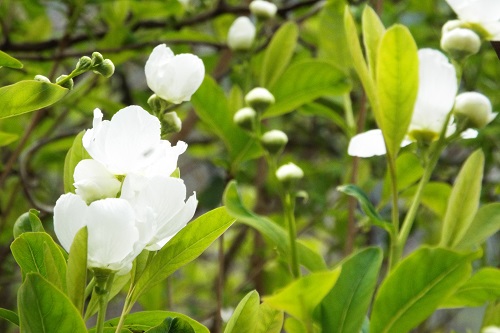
(241, 34)
(476, 10)
(469, 133)
(367, 144)
(69, 217)
(93, 181)
(166, 161)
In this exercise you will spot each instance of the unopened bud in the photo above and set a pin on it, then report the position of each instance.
(245, 118)
(64, 82)
(97, 59)
(460, 43)
(260, 99)
(289, 173)
(158, 104)
(171, 123)
(41, 78)
(475, 107)
(84, 63)
(451, 25)
(263, 9)
(241, 34)
(274, 141)
(491, 329)
(106, 68)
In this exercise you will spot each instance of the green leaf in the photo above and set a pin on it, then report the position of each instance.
(344, 309)
(435, 197)
(293, 325)
(491, 316)
(464, 200)
(276, 234)
(246, 315)
(278, 54)
(186, 246)
(416, 287)
(27, 96)
(45, 309)
(76, 275)
(270, 320)
(482, 287)
(301, 297)
(9, 316)
(172, 325)
(30, 253)
(210, 104)
(7, 138)
(27, 222)
(305, 81)
(397, 84)
(8, 61)
(332, 41)
(144, 320)
(75, 154)
(359, 63)
(408, 171)
(373, 31)
(485, 224)
(366, 205)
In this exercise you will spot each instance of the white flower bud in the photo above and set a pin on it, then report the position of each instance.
(245, 118)
(41, 78)
(241, 34)
(274, 141)
(171, 123)
(263, 9)
(491, 329)
(460, 43)
(259, 99)
(475, 107)
(289, 172)
(106, 68)
(451, 25)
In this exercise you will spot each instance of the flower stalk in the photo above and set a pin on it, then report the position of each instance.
(104, 282)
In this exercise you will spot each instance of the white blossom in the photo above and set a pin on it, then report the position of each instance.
(483, 13)
(476, 107)
(241, 34)
(263, 9)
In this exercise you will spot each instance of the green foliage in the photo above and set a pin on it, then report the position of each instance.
(416, 287)
(8, 61)
(408, 172)
(373, 32)
(76, 275)
(172, 325)
(7, 138)
(27, 222)
(75, 154)
(485, 223)
(45, 308)
(332, 41)
(27, 96)
(10, 316)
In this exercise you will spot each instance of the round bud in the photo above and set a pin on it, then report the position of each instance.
(106, 68)
(260, 99)
(241, 34)
(451, 25)
(64, 82)
(475, 107)
(41, 78)
(171, 123)
(84, 63)
(289, 173)
(460, 43)
(274, 141)
(491, 329)
(263, 9)
(157, 104)
(245, 118)
(97, 59)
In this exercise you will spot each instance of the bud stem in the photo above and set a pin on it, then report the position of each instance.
(104, 282)
(289, 203)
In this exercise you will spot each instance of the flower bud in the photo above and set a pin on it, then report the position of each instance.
(259, 99)
(245, 118)
(241, 34)
(491, 329)
(84, 63)
(460, 43)
(106, 68)
(288, 173)
(41, 78)
(68, 84)
(157, 104)
(263, 9)
(475, 107)
(97, 59)
(451, 25)
(274, 141)
(171, 123)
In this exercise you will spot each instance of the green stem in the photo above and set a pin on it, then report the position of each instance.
(391, 162)
(292, 233)
(104, 281)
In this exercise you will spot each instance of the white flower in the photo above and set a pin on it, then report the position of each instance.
(241, 34)
(160, 207)
(460, 42)
(259, 98)
(131, 143)
(112, 233)
(491, 329)
(263, 9)
(174, 78)
(93, 181)
(484, 13)
(476, 107)
(289, 172)
(370, 143)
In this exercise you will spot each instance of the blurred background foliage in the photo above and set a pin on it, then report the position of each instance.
(49, 36)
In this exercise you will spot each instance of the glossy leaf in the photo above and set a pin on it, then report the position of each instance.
(301, 297)
(246, 315)
(76, 275)
(345, 307)
(27, 222)
(373, 31)
(332, 41)
(278, 54)
(482, 287)
(275, 233)
(9, 61)
(75, 154)
(44, 308)
(30, 253)
(416, 287)
(27, 96)
(172, 325)
(186, 246)
(9, 316)
(305, 81)
(408, 171)
(464, 200)
(270, 320)
(485, 224)
(397, 84)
